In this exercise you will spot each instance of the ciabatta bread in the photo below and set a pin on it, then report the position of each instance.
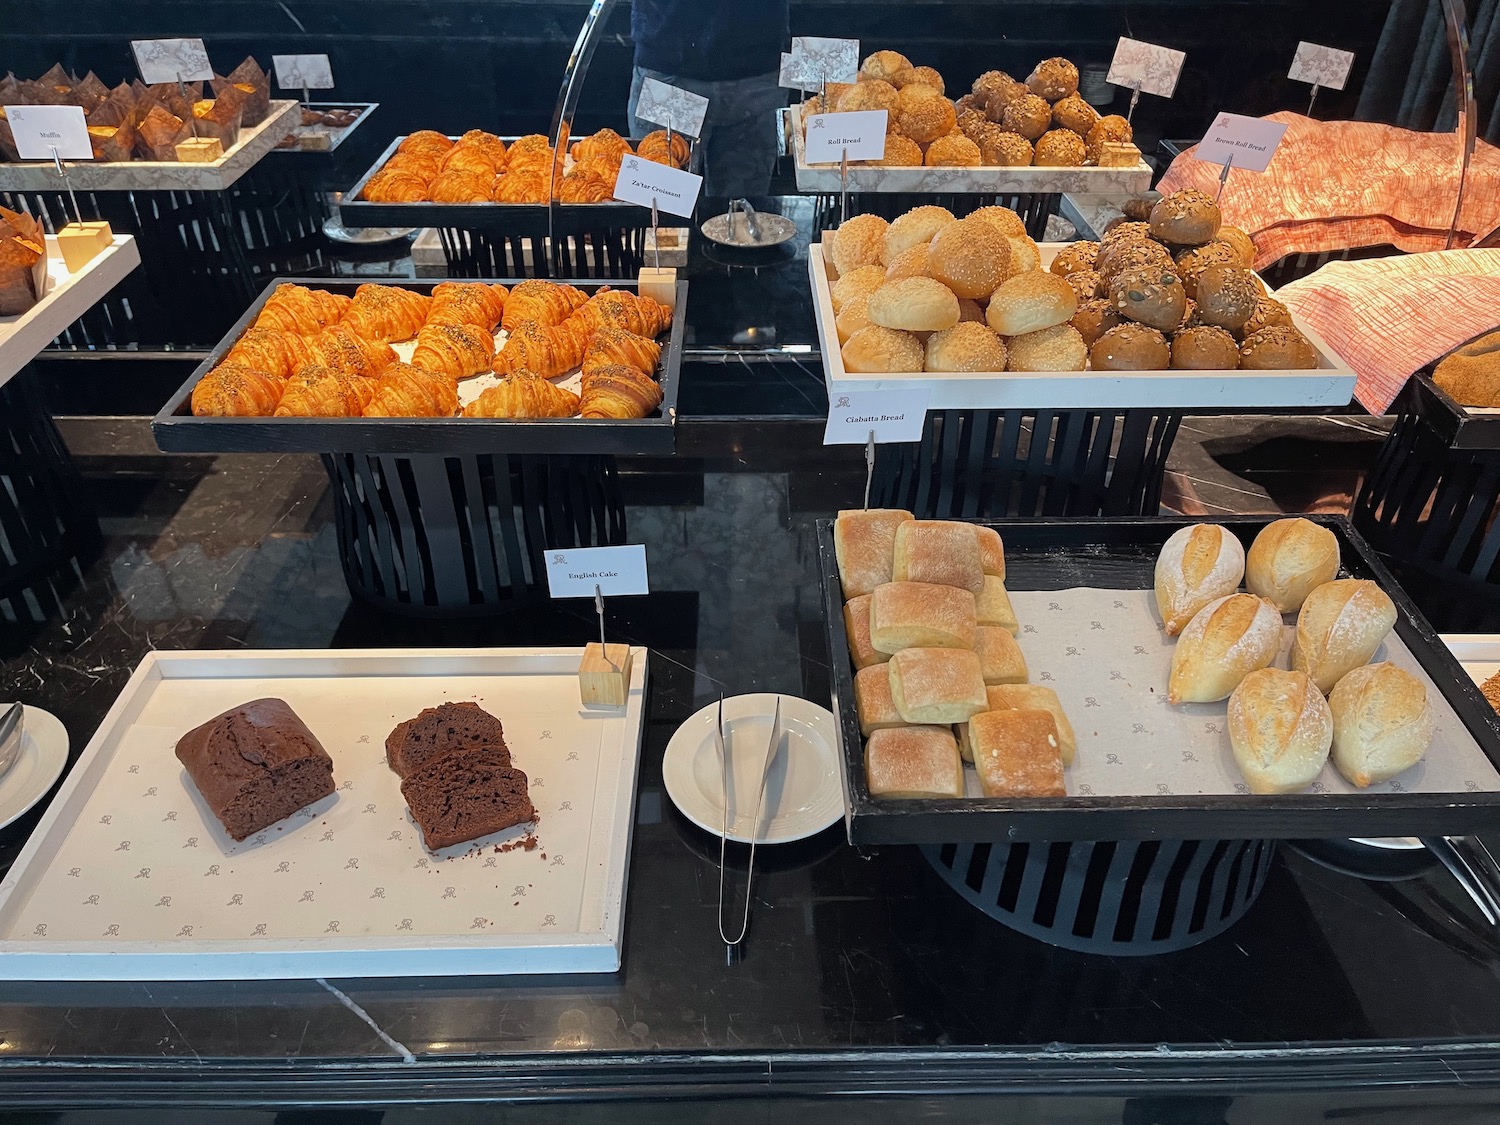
(938, 551)
(857, 628)
(864, 542)
(993, 606)
(913, 762)
(936, 685)
(1035, 697)
(873, 702)
(1017, 754)
(921, 615)
(1000, 658)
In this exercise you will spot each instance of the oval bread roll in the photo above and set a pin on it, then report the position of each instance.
(1280, 729)
(1197, 565)
(1340, 626)
(916, 226)
(875, 349)
(965, 347)
(913, 304)
(912, 262)
(1288, 560)
(854, 316)
(1030, 302)
(1382, 723)
(1224, 643)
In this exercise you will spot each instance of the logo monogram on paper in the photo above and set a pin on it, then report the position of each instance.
(1046, 675)
(519, 892)
(549, 920)
(73, 872)
(1163, 789)
(105, 819)
(165, 900)
(1085, 790)
(111, 930)
(843, 402)
(192, 842)
(124, 846)
(405, 924)
(566, 806)
(1138, 728)
(150, 792)
(364, 738)
(214, 870)
(170, 816)
(41, 929)
(327, 836)
(557, 861)
(1090, 701)
(573, 755)
(307, 896)
(378, 892)
(333, 927)
(369, 808)
(421, 862)
(450, 892)
(134, 769)
(395, 834)
(144, 873)
(546, 734)
(236, 900)
(283, 868)
(351, 864)
(186, 931)
(1140, 650)
(1117, 675)
(489, 861)
(1112, 760)
(479, 923)
(260, 930)
(92, 900)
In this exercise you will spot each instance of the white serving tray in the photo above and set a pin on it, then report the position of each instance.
(130, 877)
(1331, 384)
(1479, 653)
(160, 175)
(68, 296)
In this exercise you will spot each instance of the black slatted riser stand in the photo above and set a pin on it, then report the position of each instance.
(1035, 208)
(1120, 899)
(467, 535)
(605, 252)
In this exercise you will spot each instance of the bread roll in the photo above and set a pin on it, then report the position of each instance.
(1226, 641)
(1072, 112)
(1059, 348)
(1289, 559)
(1053, 79)
(911, 262)
(923, 114)
(876, 349)
(868, 96)
(1382, 723)
(1197, 565)
(1000, 658)
(857, 629)
(1005, 221)
(965, 347)
(1130, 347)
(873, 702)
(1151, 295)
(992, 606)
(1030, 302)
(857, 242)
(1279, 348)
(991, 551)
(855, 315)
(1025, 255)
(1059, 148)
(864, 280)
(1204, 348)
(1088, 284)
(913, 763)
(1027, 115)
(952, 151)
(939, 551)
(1035, 697)
(885, 66)
(1244, 246)
(936, 685)
(1226, 296)
(970, 257)
(916, 227)
(1017, 754)
(914, 304)
(1280, 729)
(1094, 318)
(864, 543)
(1339, 627)
(1186, 218)
(1269, 313)
(921, 615)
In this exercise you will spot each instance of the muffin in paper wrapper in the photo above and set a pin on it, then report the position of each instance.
(256, 84)
(220, 117)
(23, 262)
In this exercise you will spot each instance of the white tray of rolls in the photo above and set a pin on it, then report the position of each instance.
(882, 292)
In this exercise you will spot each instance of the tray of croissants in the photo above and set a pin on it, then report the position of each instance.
(1124, 679)
(326, 366)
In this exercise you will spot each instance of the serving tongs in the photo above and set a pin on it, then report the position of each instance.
(752, 219)
(12, 726)
(760, 794)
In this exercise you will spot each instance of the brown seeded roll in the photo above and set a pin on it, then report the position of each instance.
(866, 279)
(1030, 302)
(858, 242)
(1269, 313)
(1072, 112)
(1000, 99)
(969, 310)
(952, 152)
(1186, 218)
(1059, 148)
(1227, 296)
(1244, 247)
(875, 349)
(1205, 348)
(914, 304)
(1196, 259)
(1088, 284)
(923, 75)
(1071, 259)
(1151, 296)
(1130, 347)
(1122, 257)
(1028, 115)
(1003, 219)
(1053, 79)
(969, 103)
(911, 262)
(1138, 209)
(1190, 316)
(970, 257)
(1275, 349)
(917, 225)
(1005, 149)
(965, 347)
(1093, 319)
(988, 82)
(1059, 348)
(971, 122)
(1111, 127)
(1125, 230)
(923, 114)
(885, 66)
(868, 96)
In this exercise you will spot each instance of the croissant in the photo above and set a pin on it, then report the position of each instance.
(606, 146)
(612, 345)
(461, 187)
(303, 311)
(424, 165)
(520, 187)
(456, 350)
(529, 145)
(235, 390)
(524, 394)
(393, 185)
(474, 159)
(425, 140)
(583, 186)
(343, 350)
(549, 352)
(467, 302)
(321, 392)
(270, 350)
(386, 312)
(404, 391)
(545, 302)
(478, 138)
(619, 392)
(621, 308)
(653, 146)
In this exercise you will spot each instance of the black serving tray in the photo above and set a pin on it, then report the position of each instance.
(336, 137)
(1456, 425)
(1056, 554)
(178, 431)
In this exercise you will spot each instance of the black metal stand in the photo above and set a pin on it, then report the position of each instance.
(1035, 208)
(581, 252)
(467, 535)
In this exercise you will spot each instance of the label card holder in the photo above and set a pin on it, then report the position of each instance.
(172, 60)
(42, 131)
(303, 72)
(1147, 68)
(672, 107)
(1242, 142)
(832, 136)
(645, 182)
(1325, 67)
(816, 60)
(587, 572)
(892, 415)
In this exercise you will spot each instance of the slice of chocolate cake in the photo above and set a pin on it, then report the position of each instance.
(440, 730)
(256, 764)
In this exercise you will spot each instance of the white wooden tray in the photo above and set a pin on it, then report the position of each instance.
(130, 877)
(161, 175)
(1479, 653)
(1330, 384)
(68, 296)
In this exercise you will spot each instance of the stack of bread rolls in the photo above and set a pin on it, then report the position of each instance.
(1374, 720)
(939, 678)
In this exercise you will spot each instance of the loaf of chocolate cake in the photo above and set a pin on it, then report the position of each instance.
(441, 730)
(256, 764)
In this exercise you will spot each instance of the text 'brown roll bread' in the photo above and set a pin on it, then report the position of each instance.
(1224, 643)
(1280, 729)
(1382, 723)
(1340, 626)
(1289, 559)
(1197, 565)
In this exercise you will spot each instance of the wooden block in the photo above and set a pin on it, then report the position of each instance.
(604, 675)
(1119, 154)
(81, 243)
(660, 283)
(199, 150)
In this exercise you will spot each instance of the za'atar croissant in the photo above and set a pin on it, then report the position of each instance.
(405, 391)
(343, 350)
(524, 394)
(619, 392)
(545, 302)
(549, 352)
(295, 308)
(233, 390)
(456, 350)
(321, 392)
(467, 302)
(386, 312)
(612, 345)
(270, 350)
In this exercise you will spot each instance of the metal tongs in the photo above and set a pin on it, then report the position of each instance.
(12, 725)
(752, 220)
(760, 795)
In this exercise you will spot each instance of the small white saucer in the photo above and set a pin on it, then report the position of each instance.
(43, 757)
(803, 791)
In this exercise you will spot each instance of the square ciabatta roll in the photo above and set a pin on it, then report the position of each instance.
(939, 551)
(921, 615)
(992, 606)
(1000, 658)
(864, 542)
(936, 685)
(1017, 754)
(1035, 697)
(913, 762)
(873, 702)
(857, 626)
(991, 551)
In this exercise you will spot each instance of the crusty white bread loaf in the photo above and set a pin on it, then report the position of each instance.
(913, 762)
(921, 615)
(991, 551)
(864, 542)
(1289, 559)
(1017, 754)
(1035, 697)
(857, 628)
(1197, 565)
(1382, 723)
(1280, 730)
(1340, 626)
(938, 551)
(1000, 658)
(993, 606)
(1224, 643)
(936, 685)
(873, 702)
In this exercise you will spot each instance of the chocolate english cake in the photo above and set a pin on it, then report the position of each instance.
(456, 774)
(256, 764)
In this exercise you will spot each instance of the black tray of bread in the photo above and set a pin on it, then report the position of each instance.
(177, 430)
(338, 121)
(1174, 761)
(1456, 425)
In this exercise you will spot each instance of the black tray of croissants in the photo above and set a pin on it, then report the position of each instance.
(1080, 729)
(320, 365)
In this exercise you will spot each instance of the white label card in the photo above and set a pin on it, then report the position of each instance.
(1249, 141)
(893, 415)
(815, 60)
(1150, 68)
(172, 60)
(1327, 67)
(671, 107)
(41, 128)
(831, 135)
(303, 72)
(641, 181)
(574, 573)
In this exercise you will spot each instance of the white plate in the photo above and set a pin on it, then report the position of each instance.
(803, 792)
(43, 757)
